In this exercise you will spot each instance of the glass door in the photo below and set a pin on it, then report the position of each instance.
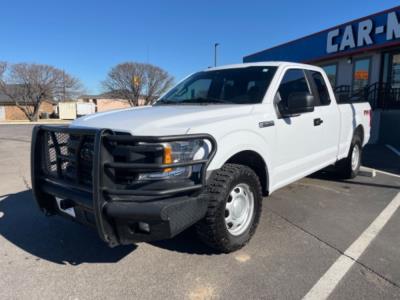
(361, 74)
(389, 96)
(395, 71)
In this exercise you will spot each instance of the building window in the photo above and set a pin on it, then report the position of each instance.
(331, 70)
(360, 74)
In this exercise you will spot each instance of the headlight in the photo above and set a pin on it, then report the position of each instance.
(181, 151)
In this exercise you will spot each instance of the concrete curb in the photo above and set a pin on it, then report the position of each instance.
(55, 122)
(367, 172)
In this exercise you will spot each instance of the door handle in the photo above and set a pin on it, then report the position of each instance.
(318, 121)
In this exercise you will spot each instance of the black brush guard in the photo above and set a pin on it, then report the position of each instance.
(94, 171)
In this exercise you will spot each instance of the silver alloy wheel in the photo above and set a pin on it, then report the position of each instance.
(239, 209)
(355, 157)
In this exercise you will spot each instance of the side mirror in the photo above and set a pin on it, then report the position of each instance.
(298, 103)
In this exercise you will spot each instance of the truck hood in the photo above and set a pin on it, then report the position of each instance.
(161, 120)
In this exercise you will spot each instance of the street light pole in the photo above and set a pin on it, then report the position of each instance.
(215, 54)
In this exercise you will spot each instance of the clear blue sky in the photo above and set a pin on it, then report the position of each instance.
(87, 38)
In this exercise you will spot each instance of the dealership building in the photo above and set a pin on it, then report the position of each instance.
(361, 57)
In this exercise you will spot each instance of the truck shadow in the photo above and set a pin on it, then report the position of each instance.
(53, 239)
(61, 241)
(186, 242)
(331, 176)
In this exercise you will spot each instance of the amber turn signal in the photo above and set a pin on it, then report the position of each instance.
(167, 159)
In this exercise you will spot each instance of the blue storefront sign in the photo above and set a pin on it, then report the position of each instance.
(372, 32)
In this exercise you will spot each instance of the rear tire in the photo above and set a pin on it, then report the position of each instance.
(234, 206)
(348, 168)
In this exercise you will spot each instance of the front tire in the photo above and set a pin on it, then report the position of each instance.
(349, 166)
(234, 207)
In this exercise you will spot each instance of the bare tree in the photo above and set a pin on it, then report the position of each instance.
(126, 81)
(131, 81)
(28, 85)
(157, 82)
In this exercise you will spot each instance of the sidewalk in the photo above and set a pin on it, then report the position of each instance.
(25, 122)
(381, 158)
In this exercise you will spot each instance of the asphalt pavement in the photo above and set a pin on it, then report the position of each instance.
(304, 229)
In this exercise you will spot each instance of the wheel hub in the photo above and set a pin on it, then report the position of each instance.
(239, 209)
(355, 157)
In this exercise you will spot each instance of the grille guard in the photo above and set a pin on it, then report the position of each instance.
(45, 188)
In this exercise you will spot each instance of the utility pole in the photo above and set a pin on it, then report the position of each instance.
(63, 76)
(215, 54)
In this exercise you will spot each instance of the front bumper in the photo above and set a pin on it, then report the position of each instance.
(164, 218)
(121, 213)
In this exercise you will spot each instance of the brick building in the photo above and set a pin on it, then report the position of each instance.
(9, 111)
(106, 101)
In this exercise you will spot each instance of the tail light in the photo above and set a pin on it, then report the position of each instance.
(368, 113)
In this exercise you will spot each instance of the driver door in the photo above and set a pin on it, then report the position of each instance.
(298, 148)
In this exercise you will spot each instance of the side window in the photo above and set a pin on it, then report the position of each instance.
(321, 87)
(294, 81)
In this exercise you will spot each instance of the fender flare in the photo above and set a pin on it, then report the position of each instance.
(233, 143)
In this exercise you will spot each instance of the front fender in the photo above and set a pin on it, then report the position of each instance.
(238, 141)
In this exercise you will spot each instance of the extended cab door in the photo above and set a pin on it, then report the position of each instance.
(328, 109)
(298, 149)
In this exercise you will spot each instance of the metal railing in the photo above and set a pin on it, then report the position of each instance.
(378, 94)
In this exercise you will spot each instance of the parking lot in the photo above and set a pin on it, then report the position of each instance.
(305, 228)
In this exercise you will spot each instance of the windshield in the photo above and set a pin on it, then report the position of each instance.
(228, 86)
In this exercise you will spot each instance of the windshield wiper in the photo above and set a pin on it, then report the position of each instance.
(201, 100)
(166, 101)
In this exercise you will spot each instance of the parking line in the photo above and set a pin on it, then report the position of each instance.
(327, 283)
(379, 171)
(388, 173)
(393, 149)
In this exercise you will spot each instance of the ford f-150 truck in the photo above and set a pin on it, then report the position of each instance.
(205, 153)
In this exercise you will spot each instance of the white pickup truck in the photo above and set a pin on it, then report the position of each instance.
(205, 153)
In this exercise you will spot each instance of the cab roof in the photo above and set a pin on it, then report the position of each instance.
(262, 64)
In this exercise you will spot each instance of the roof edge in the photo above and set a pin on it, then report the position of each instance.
(326, 30)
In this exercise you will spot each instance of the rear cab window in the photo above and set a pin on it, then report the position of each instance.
(320, 88)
